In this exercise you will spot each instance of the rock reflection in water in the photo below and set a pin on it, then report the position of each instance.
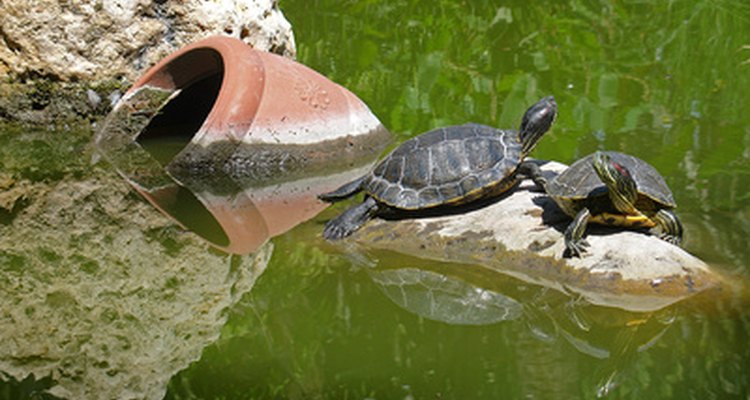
(103, 297)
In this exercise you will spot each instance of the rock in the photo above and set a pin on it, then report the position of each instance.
(93, 40)
(521, 235)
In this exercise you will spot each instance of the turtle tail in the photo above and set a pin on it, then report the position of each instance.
(345, 191)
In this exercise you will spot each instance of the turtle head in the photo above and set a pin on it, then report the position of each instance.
(536, 121)
(620, 183)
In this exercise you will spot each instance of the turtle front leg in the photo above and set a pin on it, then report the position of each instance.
(575, 244)
(668, 227)
(350, 220)
(531, 170)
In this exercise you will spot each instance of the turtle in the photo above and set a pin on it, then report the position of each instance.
(445, 167)
(614, 189)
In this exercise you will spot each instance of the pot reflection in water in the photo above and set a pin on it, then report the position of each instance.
(236, 214)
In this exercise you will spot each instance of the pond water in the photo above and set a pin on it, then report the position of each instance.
(665, 81)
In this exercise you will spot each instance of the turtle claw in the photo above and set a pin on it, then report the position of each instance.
(576, 248)
(541, 184)
(672, 239)
(350, 220)
(335, 230)
(668, 227)
(530, 170)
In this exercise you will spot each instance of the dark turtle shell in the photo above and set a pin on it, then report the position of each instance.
(451, 165)
(580, 183)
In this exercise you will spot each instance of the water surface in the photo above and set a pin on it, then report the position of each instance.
(666, 82)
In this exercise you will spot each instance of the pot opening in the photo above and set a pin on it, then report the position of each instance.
(198, 75)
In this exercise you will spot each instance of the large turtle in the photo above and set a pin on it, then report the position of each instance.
(445, 167)
(615, 189)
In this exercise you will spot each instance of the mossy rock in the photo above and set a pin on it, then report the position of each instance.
(44, 102)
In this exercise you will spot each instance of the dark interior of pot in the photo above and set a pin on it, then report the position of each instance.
(198, 76)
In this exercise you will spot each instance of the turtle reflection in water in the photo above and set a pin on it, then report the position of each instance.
(443, 298)
(616, 189)
(445, 167)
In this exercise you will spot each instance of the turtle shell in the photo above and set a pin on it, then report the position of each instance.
(580, 181)
(451, 165)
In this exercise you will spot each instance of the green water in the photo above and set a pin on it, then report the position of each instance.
(665, 81)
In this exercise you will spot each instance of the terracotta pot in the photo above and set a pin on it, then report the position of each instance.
(261, 136)
(232, 101)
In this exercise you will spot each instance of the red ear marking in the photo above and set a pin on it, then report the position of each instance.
(621, 169)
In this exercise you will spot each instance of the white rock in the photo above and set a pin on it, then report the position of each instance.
(90, 39)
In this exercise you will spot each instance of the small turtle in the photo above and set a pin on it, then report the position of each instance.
(615, 189)
(445, 167)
